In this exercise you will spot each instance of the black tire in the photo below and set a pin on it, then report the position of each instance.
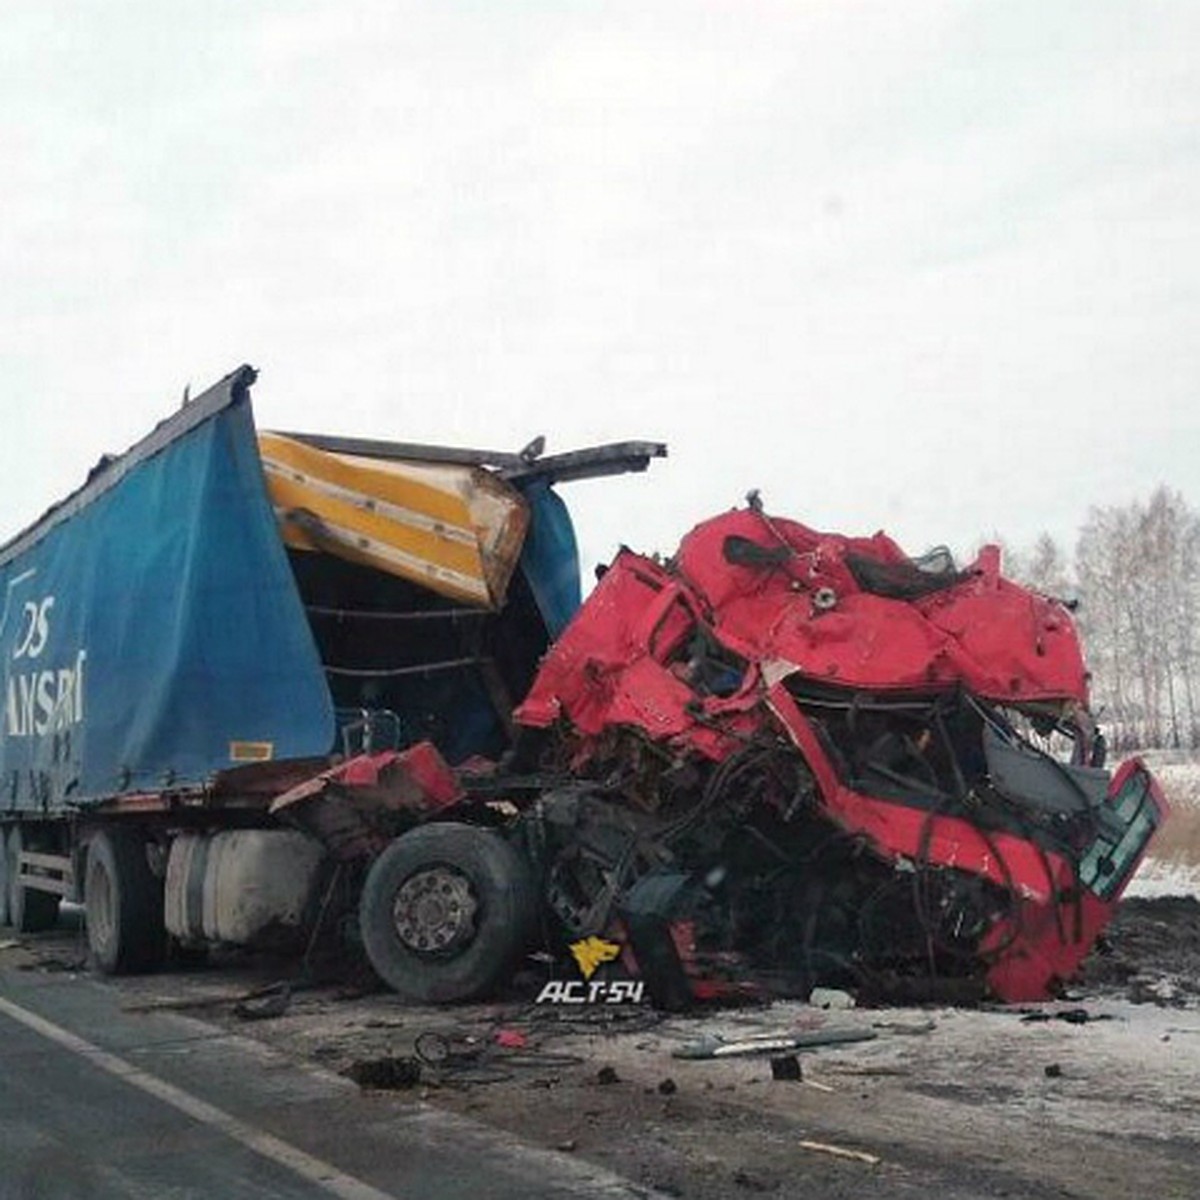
(29, 910)
(490, 930)
(123, 904)
(3, 875)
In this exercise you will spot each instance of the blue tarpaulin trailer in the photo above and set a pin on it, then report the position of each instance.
(151, 623)
(171, 662)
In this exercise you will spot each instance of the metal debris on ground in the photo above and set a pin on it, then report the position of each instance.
(455, 1058)
(714, 1046)
(840, 1152)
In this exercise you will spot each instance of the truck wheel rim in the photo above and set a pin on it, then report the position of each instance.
(434, 911)
(100, 906)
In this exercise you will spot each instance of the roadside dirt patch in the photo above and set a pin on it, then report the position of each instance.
(1150, 953)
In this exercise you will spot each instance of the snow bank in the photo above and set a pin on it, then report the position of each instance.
(1179, 775)
(1157, 877)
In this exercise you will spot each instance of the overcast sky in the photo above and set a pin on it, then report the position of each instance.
(927, 266)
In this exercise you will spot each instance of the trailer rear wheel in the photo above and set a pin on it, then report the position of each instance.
(446, 910)
(3, 875)
(123, 904)
(29, 910)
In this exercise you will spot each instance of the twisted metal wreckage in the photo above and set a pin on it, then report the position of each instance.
(781, 758)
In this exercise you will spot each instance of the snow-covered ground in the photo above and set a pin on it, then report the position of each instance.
(1158, 878)
(1173, 868)
(1179, 774)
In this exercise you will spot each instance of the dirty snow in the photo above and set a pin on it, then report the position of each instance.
(1165, 878)
(1179, 775)
(1173, 867)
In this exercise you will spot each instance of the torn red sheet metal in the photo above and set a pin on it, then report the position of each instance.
(799, 609)
(351, 806)
(920, 700)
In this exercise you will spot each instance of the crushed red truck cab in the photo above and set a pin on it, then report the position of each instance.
(796, 758)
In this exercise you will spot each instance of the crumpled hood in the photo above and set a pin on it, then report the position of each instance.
(773, 591)
(1002, 641)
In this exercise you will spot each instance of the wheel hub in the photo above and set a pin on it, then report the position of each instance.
(435, 910)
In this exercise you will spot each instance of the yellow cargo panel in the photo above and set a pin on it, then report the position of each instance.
(455, 530)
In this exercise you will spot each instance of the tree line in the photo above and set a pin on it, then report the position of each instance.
(1135, 572)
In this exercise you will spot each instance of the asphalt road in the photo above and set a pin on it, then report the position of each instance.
(99, 1103)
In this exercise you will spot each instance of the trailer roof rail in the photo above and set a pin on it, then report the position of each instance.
(613, 458)
(109, 471)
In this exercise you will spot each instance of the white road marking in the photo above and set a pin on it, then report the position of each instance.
(323, 1174)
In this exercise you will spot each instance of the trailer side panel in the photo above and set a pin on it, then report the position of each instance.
(151, 632)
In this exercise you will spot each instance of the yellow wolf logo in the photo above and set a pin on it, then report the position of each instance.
(591, 952)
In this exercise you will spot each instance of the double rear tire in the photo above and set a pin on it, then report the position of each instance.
(123, 904)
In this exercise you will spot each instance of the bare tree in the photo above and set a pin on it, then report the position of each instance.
(1138, 568)
(1047, 569)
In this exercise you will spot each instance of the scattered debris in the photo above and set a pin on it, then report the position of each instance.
(1071, 1016)
(905, 1028)
(385, 1074)
(714, 1046)
(243, 1000)
(786, 1067)
(442, 1050)
(67, 966)
(270, 1003)
(830, 998)
(752, 1183)
(840, 1152)
(872, 1070)
(1163, 991)
(667, 1087)
(1053, 1071)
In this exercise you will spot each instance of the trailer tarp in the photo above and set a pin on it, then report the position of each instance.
(150, 626)
(550, 558)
